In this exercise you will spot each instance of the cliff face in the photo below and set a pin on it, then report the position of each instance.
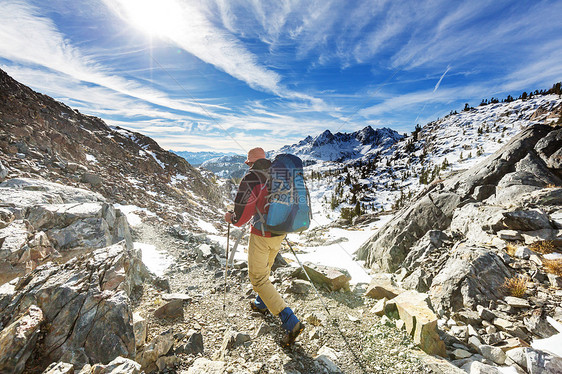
(40, 137)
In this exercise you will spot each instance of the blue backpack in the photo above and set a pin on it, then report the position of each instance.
(288, 198)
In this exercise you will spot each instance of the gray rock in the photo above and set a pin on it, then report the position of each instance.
(531, 237)
(555, 281)
(471, 276)
(193, 346)
(423, 248)
(382, 286)
(27, 192)
(18, 339)
(467, 316)
(526, 220)
(460, 354)
(476, 367)
(493, 354)
(538, 325)
(85, 304)
(481, 193)
(170, 310)
(523, 252)
(3, 172)
(6, 217)
(485, 313)
(509, 235)
(205, 366)
(556, 219)
(92, 179)
(391, 244)
(184, 298)
(329, 277)
(549, 149)
(159, 346)
(477, 222)
(516, 302)
(519, 356)
(327, 357)
(231, 340)
(140, 326)
(203, 252)
(77, 357)
(474, 342)
(299, 287)
(542, 362)
(15, 238)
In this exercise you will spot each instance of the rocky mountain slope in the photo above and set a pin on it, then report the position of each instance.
(477, 239)
(40, 137)
(386, 180)
(75, 295)
(468, 270)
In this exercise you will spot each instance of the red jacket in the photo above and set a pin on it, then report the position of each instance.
(252, 196)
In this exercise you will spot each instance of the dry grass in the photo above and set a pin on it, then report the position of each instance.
(511, 249)
(553, 267)
(543, 247)
(516, 286)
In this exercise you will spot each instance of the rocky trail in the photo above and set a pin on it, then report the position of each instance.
(350, 340)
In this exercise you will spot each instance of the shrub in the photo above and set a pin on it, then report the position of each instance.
(543, 246)
(516, 286)
(511, 249)
(553, 267)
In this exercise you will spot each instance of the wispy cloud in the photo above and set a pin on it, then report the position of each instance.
(188, 26)
(30, 38)
(440, 79)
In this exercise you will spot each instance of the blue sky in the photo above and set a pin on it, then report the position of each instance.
(227, 75)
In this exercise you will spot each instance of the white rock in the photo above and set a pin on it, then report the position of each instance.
(517, 302)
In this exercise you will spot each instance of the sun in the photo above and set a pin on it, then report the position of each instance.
(154, 17)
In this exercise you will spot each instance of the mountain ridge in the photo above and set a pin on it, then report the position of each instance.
(41, 137)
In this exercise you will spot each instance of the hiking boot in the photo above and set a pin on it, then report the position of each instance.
(292, 335)
(255, 308)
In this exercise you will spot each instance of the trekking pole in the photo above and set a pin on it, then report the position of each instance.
(310, 280)
(226, 265)
(357, 360)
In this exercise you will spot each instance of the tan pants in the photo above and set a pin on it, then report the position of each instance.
(261, 254)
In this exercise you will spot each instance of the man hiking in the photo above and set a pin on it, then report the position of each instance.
(251, 203)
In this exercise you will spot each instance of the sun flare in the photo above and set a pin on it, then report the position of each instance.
(154, 17)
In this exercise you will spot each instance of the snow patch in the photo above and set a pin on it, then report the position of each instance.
(553, 256)
(206, 226)
(130, 212)
(552, 344)
(91, 158)
(156, 261)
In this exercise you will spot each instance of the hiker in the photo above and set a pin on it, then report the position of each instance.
(250, 203)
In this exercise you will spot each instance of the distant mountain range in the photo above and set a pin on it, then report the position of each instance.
(338, 147)
(342, 147)
(228, 166)
(197, 158)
